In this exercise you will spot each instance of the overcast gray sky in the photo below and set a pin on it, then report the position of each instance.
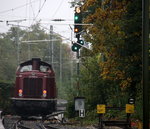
(35, 10)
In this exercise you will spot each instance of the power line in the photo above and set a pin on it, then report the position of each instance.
(57, 8)
(65, 38)
(32, 9)
(21, 6)
(39, 10)
(57, 34)
(43, 19)
(38, 41)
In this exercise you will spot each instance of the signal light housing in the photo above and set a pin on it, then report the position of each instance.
(75, 47)
(77, 21)
(81, 42)
(78, 15)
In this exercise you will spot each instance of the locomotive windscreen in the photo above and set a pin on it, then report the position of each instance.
(32, 87)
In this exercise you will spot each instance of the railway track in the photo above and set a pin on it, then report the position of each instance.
(15, 122)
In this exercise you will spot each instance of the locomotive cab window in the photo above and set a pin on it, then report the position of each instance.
(44, 68)
(26, 68)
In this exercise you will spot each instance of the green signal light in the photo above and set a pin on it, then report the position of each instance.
(75, 47)
(76, 18)
(81, 42)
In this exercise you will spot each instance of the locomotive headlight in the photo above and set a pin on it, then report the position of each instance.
(44, 93)
(20, 92)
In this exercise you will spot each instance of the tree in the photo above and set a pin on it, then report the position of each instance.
(115, 34)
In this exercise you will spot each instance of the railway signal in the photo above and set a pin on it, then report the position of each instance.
(77, 29)
(77, 21)
(77, 46)
(81, 42)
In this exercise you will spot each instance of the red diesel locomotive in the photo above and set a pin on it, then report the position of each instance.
(35, 89)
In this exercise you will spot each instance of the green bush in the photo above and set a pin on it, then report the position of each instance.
(6, 91)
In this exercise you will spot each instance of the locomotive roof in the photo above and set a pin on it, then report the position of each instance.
(30, 62)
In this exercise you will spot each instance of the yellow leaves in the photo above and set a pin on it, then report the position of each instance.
(121, 33)
(100, 14)
(89, 19)
(114, 28)
(105, 72)
(125, 83)
(120, 75)
(116, 14)
(107, 36)
(107, 9)
(110, 71)
(89, 3)
(105, 2)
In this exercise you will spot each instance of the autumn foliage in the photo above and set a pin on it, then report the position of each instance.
(114, 65)
(110, 36)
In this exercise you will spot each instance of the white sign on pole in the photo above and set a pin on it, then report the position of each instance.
(82, 113)
(79, 103)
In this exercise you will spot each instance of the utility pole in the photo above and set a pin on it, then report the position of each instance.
(17, 36)
(51, 52)
(145, 70)
(78, 73)
(29, 46)
(71, 64)
(29, 51)
(60, 64)
(18, 45)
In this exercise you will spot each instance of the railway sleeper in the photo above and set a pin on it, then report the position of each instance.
(125, 124)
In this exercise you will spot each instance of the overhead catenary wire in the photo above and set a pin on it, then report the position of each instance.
(33, 42)
(38, 41)
(35, 14)
(26, 12)
(39, 10)
(57, 33)
(32, 9)
(58, 8)
(28, 27)
(18, 7)
(41, 5)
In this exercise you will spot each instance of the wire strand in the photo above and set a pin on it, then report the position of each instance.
(39, 11)
(58, 8)
(32, 10)
(56, 33)
(21, 6)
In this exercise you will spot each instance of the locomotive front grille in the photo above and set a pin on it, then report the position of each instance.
(32, 87)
